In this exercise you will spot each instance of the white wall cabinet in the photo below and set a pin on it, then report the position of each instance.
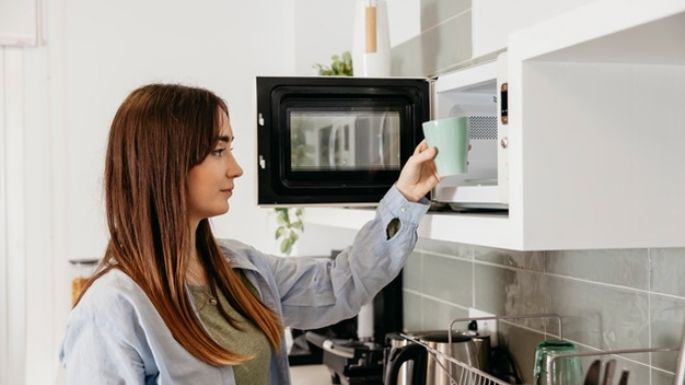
(596, 134)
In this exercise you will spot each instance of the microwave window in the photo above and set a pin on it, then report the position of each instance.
(344, 140)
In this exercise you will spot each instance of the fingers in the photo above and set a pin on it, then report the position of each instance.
(421, 147)
(427, 154)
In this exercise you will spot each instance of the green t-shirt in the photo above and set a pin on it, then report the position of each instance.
(250, 341)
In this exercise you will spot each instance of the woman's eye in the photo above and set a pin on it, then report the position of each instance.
(218, 152)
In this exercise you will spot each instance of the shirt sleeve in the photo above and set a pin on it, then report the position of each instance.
(94, 353)
(318, 292)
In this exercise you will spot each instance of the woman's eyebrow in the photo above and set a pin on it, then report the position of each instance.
(226, 138)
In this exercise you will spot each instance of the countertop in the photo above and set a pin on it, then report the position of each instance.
(310, 375)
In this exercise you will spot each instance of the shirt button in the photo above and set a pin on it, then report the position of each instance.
(403, 209)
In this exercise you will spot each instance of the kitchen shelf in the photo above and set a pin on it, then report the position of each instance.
(481, 229)
(594, 130)
(595, 135)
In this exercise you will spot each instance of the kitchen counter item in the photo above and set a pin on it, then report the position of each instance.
(82, 269)
(462, 348)
(609, 368)
(431, 369)
(567, 371)
(624, 378)
(466, 374)
(592, 376)
(553, 360)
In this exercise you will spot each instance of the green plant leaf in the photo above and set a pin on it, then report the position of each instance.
(286, 246)
(282, 216)
(340, 65)
(280, 232)
(298, 225)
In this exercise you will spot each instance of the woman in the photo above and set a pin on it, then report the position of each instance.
(171, 305)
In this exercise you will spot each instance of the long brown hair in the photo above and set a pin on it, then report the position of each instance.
(158, 134)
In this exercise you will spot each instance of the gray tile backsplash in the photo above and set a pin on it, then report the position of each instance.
(531, 260)
(412, 311)
(626, 267)
(667, 325)
(603, 317)
(668, 270)
(661, 378)
(442, 275)
(436, 315)
(434, 49)
(412, 275)
(435, 12)
(608, 299)
(511, 291)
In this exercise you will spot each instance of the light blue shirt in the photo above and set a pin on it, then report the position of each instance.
(116, 336)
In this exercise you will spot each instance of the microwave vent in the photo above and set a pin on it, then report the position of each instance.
(483, 127)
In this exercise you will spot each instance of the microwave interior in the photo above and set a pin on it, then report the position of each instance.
(480, 187)
(335, 140)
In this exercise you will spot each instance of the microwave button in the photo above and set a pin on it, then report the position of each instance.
(504, 142)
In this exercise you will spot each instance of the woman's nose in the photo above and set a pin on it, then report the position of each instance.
(234, 170)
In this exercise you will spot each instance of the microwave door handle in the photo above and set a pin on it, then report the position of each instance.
(381, 141)
(331, 145)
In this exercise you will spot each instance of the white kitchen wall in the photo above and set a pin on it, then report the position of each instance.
(96, 52)
(26, 276)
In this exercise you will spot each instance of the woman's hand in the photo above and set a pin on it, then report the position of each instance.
(418, 176)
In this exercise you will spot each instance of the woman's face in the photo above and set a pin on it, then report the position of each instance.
(210, 183)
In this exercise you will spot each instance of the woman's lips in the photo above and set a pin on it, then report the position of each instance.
(228, 191)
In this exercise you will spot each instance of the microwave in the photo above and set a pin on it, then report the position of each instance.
(343, 140)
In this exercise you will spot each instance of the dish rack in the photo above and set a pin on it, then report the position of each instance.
(465, 373)
(553, 358)
(469, 375)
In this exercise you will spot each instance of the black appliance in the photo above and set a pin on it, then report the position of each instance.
(335, 139)
(355, 361)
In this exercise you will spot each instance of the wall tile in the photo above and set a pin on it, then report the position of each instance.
(411, 308)
(438, 315)
(434, 12)
(602, 317)
(661, 378)
(667, 327)
(627, 267)
(444, 248)
(668, 269)
(412, 274)
(638, 373)
(445, 45)
(531, 260)
(506, 291)
(448, 279)
(580, 288)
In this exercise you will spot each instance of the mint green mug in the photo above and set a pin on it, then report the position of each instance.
(451, 138)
